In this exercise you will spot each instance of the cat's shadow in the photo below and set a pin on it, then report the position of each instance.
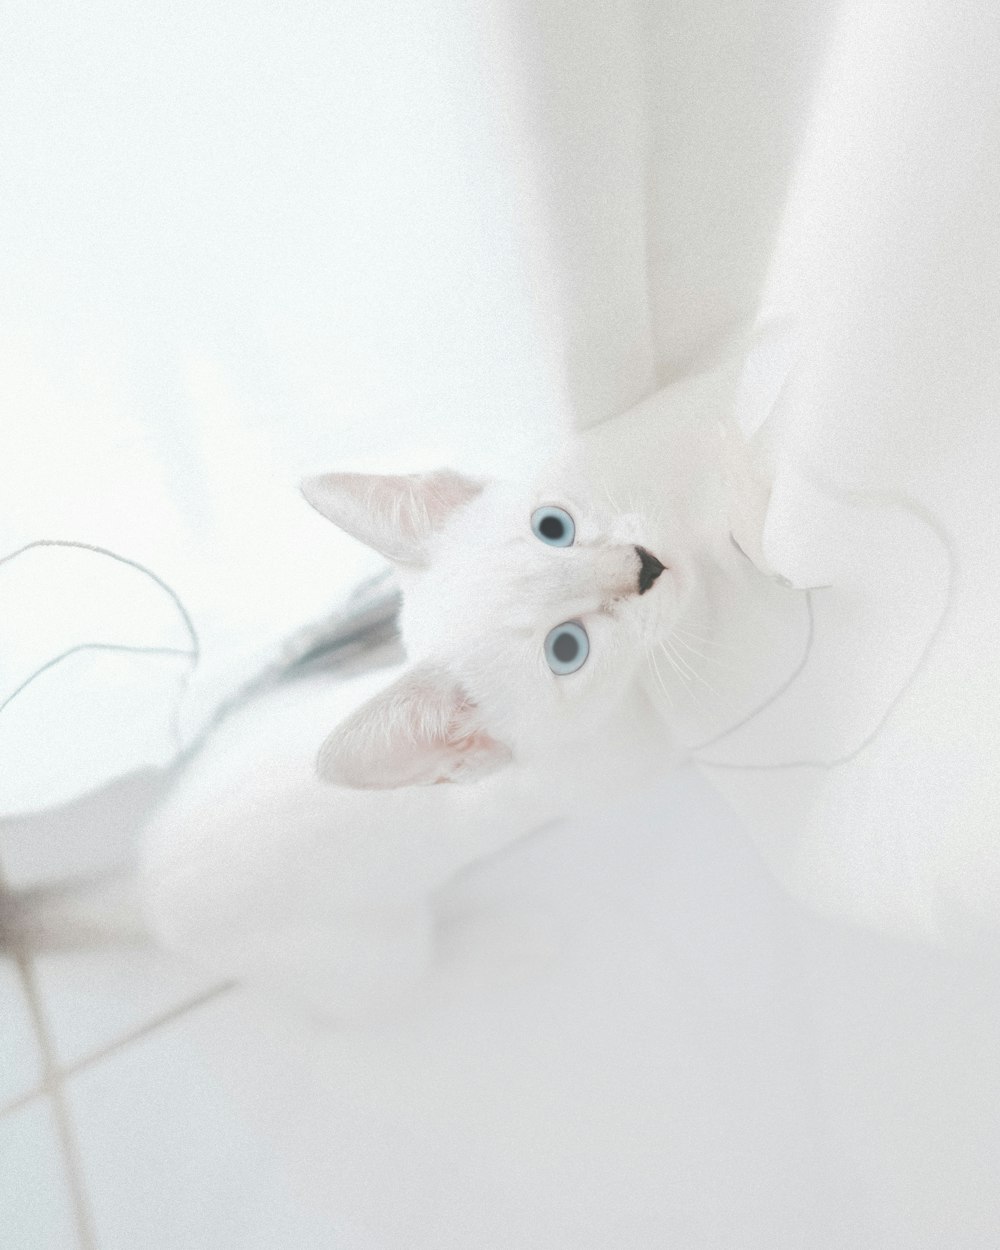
(489, 932)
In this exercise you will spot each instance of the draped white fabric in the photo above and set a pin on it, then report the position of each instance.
(245, 244)
(242, 243)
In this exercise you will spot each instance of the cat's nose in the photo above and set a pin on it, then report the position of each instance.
(649, 569)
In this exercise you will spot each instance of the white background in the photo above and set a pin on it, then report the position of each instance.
(245, 243)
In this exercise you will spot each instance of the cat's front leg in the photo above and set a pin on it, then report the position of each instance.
(271, 876)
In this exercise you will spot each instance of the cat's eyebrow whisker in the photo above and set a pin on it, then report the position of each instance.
(611, 499)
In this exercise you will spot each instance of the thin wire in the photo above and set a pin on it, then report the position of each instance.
(776, 694)
(113, 555)
(194, 654)
(150, 1026)
(69, 1147)
(90, 646)
(931, 522)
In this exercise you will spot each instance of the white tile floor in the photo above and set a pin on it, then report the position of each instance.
(115, 1131)
(683, 1059)
(21, 1070)
(145, 1107)
(135, 1142)
(38, 1213)
(65, 1017)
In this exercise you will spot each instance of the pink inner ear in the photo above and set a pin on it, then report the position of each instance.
(422, 730)
(395, 515)
(439, 493)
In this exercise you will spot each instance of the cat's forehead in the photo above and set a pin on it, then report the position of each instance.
(569, 475)
(564, 484)
(495, 566)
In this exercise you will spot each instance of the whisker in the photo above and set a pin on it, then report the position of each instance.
(611, 499)
(704, 640)
(659, 680)
(678, 661)
(709, 659)
(701, 639)
(695, 674)
(680, 673)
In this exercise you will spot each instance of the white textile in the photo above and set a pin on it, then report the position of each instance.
(243, 244)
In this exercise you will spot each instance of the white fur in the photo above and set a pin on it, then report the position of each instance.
(261, 868)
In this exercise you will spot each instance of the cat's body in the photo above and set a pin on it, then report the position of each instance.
(261, 867)
(314, 869)
(260, 870)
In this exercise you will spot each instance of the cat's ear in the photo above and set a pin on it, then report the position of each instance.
(395, 515)
(420, 730)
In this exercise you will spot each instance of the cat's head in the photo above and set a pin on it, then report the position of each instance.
(527, 615)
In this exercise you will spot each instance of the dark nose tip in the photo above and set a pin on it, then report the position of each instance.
(649, 569)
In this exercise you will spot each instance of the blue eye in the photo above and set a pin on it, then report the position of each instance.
(553, 526)
(566, 648)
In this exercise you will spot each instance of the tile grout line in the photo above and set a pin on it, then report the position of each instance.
(22, 1100)
(52, 1085)
(159, 1022)
(112, 1048)
(53, 1076)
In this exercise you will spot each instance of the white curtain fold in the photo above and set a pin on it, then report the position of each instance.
(241, 246)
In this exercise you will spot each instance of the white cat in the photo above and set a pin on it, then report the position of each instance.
(533, 615)
(305, 845)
